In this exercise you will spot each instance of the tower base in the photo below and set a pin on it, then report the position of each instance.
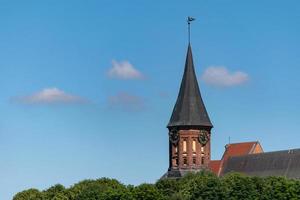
(178, 173)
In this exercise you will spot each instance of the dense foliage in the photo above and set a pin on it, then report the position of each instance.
(200, 186)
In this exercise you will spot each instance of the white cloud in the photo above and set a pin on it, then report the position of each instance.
(49, 96)
(124, 70)
(127, 102)
(220, 76)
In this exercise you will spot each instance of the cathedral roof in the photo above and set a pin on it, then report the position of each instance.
(238, 149)
(189, 109)
(280, 163)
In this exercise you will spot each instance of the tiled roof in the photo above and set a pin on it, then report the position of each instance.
(214, 166)
(280, 163)
(237, 149)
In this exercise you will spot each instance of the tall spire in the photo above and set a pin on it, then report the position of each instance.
(189, 109)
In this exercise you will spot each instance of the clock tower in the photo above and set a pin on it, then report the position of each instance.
(189, 127)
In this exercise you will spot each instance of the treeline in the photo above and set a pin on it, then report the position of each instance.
(200, 186)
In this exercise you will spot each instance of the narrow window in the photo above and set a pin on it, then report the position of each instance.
(184, 161)
(175, 162)
(194, 160)
(184, 145)
(202, 149)
(194, 146)
(202, 160)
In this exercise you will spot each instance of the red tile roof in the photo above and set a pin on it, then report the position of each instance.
(238, 149)
(214, 166)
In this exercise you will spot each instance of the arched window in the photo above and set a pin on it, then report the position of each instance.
(194, 146)
(184, 145)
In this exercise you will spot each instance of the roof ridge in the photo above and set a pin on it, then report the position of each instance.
(289, 151)
(244, 142)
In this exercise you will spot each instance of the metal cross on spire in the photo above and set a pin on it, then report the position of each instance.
(189, 19)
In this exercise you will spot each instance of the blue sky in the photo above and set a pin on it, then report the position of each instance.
(87, 87)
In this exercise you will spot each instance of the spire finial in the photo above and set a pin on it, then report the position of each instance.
(189, 19)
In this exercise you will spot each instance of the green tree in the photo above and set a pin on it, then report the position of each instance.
(280, 188)
(101, 189)
(202, 185)
(57, 191)
(259, 184)
(240, 187)
(147, 192)
(294, 189)
(60, 196)
(30, 194)
(168, 187)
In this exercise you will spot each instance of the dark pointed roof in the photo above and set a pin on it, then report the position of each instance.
(189, 109)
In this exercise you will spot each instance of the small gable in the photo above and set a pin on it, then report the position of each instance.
(243, 148)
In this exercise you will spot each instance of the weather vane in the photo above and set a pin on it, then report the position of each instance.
(189, 19)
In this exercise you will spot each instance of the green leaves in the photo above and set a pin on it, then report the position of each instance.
(204, 186)
(31, 194)
(200, 186)
(147, 192)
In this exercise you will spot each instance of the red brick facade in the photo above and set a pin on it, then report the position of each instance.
(188, 153)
